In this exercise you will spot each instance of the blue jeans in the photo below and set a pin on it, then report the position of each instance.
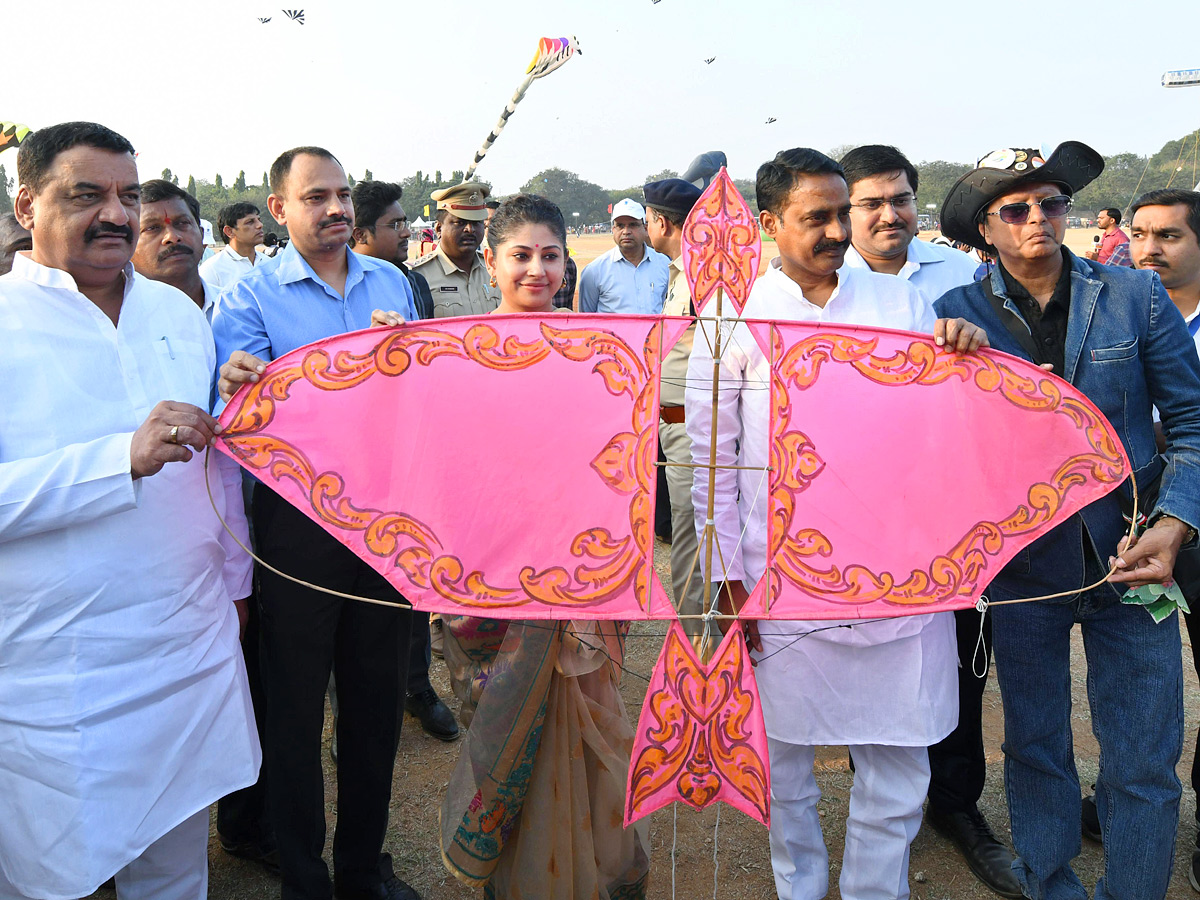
(1135, 691)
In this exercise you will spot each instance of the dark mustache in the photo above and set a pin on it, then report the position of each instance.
(823, 245)
(103, 228)
(177, 250)
(334, 220)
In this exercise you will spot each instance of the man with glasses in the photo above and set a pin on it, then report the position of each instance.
(1115, 334)
(883, 220)
(457, 277)
(381, 230)
(631, 277)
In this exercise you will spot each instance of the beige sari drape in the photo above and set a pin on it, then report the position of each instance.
(534, 809)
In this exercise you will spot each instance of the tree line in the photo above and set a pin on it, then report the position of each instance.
(1125, 176)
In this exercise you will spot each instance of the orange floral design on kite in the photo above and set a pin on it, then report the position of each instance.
(697, 723)
(721, 244)
(608, 564)
(960, 569)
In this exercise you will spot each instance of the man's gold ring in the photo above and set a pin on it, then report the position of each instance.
(174, 438)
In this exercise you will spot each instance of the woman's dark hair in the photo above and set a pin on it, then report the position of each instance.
(525, 209)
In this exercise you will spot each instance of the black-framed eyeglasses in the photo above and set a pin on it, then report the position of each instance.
(1018, 213)
(899, 204)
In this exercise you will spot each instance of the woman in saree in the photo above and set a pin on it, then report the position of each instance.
(535, 806)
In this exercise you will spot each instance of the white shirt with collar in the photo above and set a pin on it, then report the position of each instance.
(124, 707)
(930, 268)
(227, 268)
(886, 681)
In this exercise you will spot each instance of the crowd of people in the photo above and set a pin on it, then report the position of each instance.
(146, 658)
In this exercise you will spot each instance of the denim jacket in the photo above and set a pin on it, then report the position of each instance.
(1127, 350)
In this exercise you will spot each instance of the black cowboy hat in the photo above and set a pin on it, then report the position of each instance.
(1072, 166)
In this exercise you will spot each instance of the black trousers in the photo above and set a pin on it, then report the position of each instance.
(305, 635)
(957, 766)
(420, 654)
(242, 816)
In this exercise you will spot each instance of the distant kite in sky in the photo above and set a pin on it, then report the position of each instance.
(770, 120)
(296, 15)
(709, 61)
(264, 21)
(11, 134)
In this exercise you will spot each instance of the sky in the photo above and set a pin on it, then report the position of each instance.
(186, 81)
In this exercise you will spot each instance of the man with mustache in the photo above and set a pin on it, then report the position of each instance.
(1164, 237)
(240, 224)
(1114, 334)
(632, 277)
(320, 288)
(457, 276)
(171, 243)
(883, 218)
(124, 708)
(895, 690)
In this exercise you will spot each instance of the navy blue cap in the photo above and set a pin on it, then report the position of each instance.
(672, 195)
(704, 168)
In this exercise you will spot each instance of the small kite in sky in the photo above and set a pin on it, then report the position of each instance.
(770, 120)
(264, 21)
(709, 61)
(296, 15)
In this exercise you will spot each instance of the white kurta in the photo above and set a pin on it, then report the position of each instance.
(124, 708)
(931, 268)
(884, 681)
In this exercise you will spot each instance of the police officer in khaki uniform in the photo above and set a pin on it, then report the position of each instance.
(668, 203)
(455, 271)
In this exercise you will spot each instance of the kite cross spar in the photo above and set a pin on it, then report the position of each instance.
(551, 53)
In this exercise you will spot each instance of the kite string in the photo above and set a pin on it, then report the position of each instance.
(266, 565)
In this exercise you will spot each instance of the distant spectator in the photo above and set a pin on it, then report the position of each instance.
(1113, 248)
(565, 298)
(240, 225)
(630, 278)
(13, 239)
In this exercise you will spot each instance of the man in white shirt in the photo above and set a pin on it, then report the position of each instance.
(631, 277)
(883, 218)
(241, 226)
(170, 242)
(895, 691)
(124, 710)
(1164, 237)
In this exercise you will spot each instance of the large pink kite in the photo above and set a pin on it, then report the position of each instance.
(504, 466)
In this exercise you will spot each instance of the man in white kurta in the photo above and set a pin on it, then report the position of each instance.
(124, 711)
(887, 688)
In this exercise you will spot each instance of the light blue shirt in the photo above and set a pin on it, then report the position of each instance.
(273, 312)
(612, 284)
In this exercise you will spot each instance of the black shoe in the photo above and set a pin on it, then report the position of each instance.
(391, 889)
(1194, 870)
(254, 851)
(435, 715)
(1089, 820)
(989, 859)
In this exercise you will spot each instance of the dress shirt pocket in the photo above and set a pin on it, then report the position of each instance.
(1117, 352)
(186, 376)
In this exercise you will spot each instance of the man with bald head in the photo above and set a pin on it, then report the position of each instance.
(320, 288)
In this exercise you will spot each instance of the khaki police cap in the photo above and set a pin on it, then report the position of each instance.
(464, 200)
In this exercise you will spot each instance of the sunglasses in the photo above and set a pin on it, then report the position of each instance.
(1018, 213)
